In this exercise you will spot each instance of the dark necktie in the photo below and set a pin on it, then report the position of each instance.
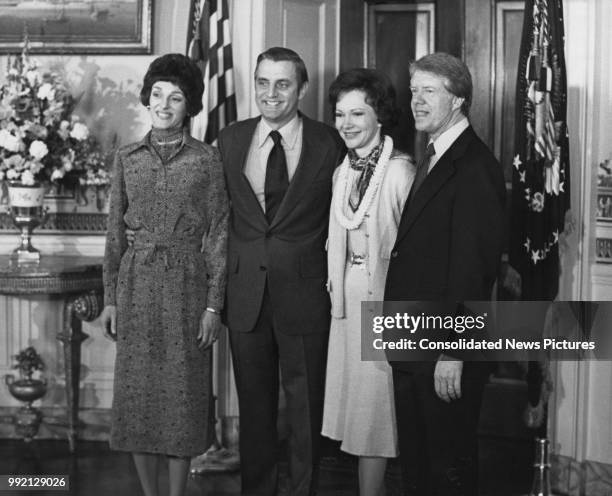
(277, 179)
(422, 169)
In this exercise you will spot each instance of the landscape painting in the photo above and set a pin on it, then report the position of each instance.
(87, 26)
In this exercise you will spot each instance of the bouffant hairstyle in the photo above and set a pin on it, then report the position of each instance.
(180, 70)
(378, 89)
(279, 54)
(453, 70)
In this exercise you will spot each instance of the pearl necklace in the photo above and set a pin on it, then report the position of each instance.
(341, 189)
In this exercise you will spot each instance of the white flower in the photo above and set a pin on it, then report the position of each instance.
(67, 160)
(15, 162)
(27, 178)
(3, 137)
(63, 129)
(6, 112)
(38, 149)
(79, 131)
(46, 92)
(12, 174)
(9, 141)
(57, 174)
(33, 77)
(35, 166)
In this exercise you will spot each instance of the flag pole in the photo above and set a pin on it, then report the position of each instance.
(209, 45)
(540, 190)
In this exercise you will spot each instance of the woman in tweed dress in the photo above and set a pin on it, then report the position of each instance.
(164, 292)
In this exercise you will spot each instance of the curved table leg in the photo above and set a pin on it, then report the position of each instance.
(77, 309)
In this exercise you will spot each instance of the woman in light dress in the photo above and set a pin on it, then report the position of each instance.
(369, 192)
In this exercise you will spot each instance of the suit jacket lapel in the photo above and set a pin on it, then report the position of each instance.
(241, 146)
(311, 160)
(439, 175)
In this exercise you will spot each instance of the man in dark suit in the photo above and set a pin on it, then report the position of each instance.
(448, 249)
(279, 170)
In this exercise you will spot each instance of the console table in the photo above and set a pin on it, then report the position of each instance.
(78, 280)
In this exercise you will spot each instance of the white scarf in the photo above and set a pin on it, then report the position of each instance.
(342, 189)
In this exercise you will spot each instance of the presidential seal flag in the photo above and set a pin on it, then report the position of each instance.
(540, 170)
(208, 43)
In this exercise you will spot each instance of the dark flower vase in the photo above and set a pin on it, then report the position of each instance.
(28, 390)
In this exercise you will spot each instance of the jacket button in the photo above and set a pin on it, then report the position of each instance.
(262, 268)
(394, 254)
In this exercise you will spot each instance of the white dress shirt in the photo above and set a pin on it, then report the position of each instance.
(445, 140)
(261, 146)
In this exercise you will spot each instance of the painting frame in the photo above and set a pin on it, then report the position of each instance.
(604, 204)
(66, 27)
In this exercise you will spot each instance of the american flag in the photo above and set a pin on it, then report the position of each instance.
(540, 179)
(209, 45)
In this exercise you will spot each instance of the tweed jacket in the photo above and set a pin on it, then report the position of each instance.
(382, 220)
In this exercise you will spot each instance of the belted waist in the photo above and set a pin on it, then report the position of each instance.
(355, 258)
(158, 247)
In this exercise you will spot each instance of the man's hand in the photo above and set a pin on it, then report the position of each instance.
(210, 325)
(447, 378)
(130, 235)
(108, 317)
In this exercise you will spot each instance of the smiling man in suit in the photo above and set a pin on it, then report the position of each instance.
(448, 249)
(279, 170)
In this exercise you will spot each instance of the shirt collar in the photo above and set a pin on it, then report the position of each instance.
(289, 132)
(448, 137)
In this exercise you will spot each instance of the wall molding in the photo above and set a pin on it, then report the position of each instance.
(63, 222)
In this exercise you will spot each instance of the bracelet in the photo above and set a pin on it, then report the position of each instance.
(212, 310)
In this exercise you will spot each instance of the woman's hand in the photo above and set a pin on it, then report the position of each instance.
(109, 321)
(210, 325)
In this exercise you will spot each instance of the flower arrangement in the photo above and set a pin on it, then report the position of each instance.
(41, 140)
(28, 361)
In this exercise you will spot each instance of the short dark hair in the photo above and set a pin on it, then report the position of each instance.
(180, 70)
(279, 54)
(378, 89)
(454, 70)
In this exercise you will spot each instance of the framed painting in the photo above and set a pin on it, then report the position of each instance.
(86, 26)
(604, 204)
